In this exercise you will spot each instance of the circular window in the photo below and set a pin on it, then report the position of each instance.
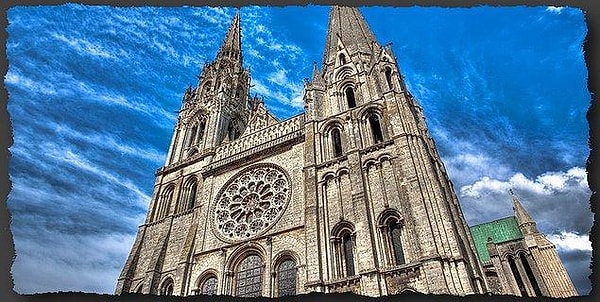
(251, 202)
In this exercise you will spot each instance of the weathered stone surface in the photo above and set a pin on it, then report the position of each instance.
(368, 206)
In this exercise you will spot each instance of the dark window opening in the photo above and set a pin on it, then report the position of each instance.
(201, 129)
(337, 142)
(348, 256)
(350, 97)
(376, 128)
(233, 132)
(167, 288)
(515, 272)
(191, 135)
(395, 232)
(388, 77)
(286, 278)
(191, 197)
(342, 59)
(530, 276)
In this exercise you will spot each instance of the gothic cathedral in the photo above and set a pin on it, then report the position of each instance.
(350, 195)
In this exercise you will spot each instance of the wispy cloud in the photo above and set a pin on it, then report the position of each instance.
(54, 262)
(274, 80)
(84, 47)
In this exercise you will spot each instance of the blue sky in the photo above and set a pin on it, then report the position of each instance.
(93, 92)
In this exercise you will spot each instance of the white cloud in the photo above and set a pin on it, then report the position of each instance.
(555, 9)
(571, 241)
(475, 190)
(545, 184)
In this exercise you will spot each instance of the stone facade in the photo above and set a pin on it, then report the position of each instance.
(351, 195)
(518, 259)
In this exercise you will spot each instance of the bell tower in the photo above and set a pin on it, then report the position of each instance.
(378, 177)
(217, 109)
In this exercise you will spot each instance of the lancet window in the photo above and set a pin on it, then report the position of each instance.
(349, 92)
(166, 289)
(188, 198)
(286, 278)
(249, 277)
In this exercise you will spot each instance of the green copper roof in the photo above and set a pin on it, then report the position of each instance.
(500, 230)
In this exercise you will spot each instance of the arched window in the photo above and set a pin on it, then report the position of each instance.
(396, 242)
(530, 276)
(343, 240)
(348, 247)
(249, 277)
(342, 59)
(209, 286)
(190, 136)
(207, 86)
(350, 97)
(375, 125)
(188, 198)
(517, 276)
(232, 131)
(391, 228)
(166, 289)
(201, 129)
(388, 77)
(165, 202)
(336, 141)
(286, 278)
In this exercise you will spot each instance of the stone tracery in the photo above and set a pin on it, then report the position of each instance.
(251, 202)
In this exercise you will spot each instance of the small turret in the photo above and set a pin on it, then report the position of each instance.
(526, 223)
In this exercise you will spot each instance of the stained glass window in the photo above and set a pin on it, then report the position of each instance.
(249, 277)
(286, 278)
(251, 203)
(209, 287)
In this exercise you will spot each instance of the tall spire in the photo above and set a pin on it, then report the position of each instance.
(231, 47)
(526, 222)
(348, 25)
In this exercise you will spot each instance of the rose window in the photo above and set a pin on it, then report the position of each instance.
(250, 203)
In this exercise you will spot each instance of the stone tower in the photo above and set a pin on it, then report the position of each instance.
(350, 195)
(518, 259)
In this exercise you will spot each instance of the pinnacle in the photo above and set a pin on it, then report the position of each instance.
(523, 218)
(316, 75)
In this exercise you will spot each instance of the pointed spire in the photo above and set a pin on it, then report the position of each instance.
(317, 78)
(526, 222)
(232, 45)
(348, 25)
